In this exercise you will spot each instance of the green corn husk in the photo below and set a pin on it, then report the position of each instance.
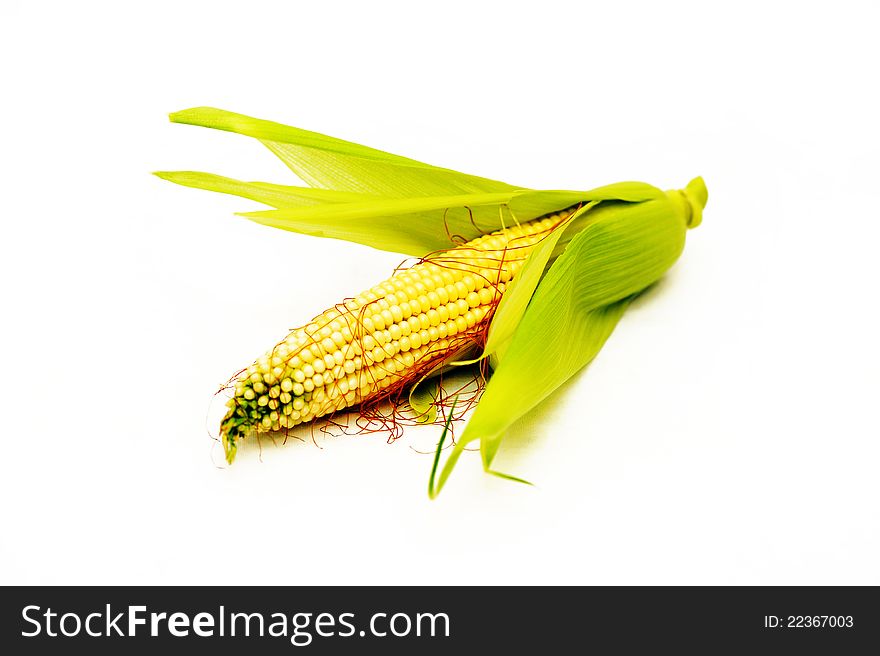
(560, 308)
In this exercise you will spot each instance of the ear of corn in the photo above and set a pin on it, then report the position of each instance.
(545, 274)
(388, 335)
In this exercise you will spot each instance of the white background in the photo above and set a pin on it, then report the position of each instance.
(728, 432)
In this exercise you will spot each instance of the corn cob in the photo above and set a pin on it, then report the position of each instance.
(392, 334)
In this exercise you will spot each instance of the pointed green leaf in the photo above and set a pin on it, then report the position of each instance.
(508, 477)
(529, 374)
(577, 340)
(379, 206)
(415, 226)
(274, 195)
(434, 490)
(330, 163)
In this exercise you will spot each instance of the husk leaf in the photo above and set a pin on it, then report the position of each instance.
(273, 195)
(623, 249)
(326, 162)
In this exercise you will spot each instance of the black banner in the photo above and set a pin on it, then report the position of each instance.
(407, 620)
